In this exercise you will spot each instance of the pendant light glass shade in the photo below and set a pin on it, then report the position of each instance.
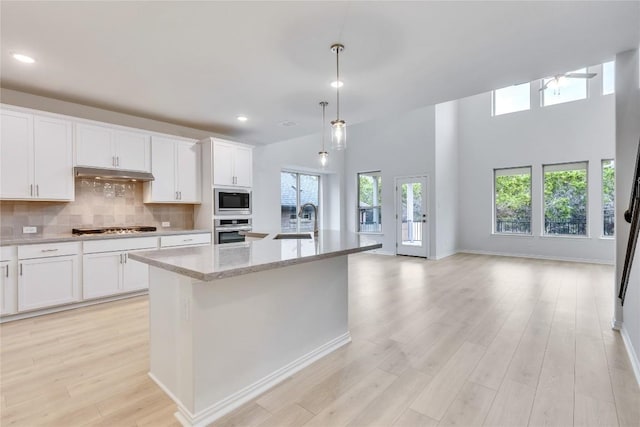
(338, 126)
(324, 156)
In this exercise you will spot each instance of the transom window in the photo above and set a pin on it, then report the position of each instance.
(512, 200)
(564, 89)
(565, 199)
(511, 99)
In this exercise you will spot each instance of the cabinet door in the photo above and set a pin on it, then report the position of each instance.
(223, 164)
(135, 275)
(53, 159)
(188, 172)
(243, 166)
(45, 282)
(133, 151)
(163, 188)
(16, 154)
(101, 274)
(94, 146)
(8, 288)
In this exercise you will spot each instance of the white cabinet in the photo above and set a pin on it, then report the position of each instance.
(8, 281)
(175, 165)
(36, 157)
(232, 164)
(107, 269)
(48, 275)
(199, 239)
(105, 147)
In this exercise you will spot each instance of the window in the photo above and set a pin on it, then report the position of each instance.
(565, 199)
(608, 77)
(370, 202)
(562, 89)
(512, 200)
(608, 197)
(296, 189)
(511, 99)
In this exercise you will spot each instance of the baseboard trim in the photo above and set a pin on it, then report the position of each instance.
(616, 324)
(633, 356)
(544, 257)
(223, 407)
(445, 255)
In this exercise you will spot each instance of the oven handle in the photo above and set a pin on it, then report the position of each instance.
(239, 228)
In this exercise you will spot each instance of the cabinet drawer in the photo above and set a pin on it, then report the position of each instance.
(185, 240)
(111, 245)
(48, 250)
(7, 253)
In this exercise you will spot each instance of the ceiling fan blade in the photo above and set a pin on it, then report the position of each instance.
(580, 75)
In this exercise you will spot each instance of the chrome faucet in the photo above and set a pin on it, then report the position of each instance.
(315, 216)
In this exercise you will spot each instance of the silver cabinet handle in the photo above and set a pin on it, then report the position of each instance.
(176, 195)
(6, 273)
(180, 194)
(37, 190)
(21, 269)
(50, 250)
(126, 258)
(188, 240)
(118, 161)
(31, 189)
(120, 258)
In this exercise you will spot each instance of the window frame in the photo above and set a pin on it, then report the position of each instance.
(543, 233)
(379, 205)
(495, 210)
(603, 235)
(319, 207)
(493, 100)
(586, 91)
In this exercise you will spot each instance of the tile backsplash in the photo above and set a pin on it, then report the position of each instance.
(99, 203)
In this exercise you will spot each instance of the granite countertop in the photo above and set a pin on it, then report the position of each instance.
(213, 262)
(68, 237)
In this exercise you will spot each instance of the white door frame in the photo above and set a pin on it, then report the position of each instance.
(426, 232)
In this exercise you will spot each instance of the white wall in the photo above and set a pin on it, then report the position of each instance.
(299, 154)
(627, 135)
(397, 146)
(446, 210)
(574, 131)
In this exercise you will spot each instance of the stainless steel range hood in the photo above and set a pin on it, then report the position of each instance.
(113, 174)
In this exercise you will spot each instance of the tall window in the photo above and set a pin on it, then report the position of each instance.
(565, 199)
(370, 202)
(608, 77)
(608, 197)
(511, 99)
(513, 200)
(563, 89)
(297, 189)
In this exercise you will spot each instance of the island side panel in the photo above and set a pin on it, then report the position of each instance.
(251, 329)
(170, 335)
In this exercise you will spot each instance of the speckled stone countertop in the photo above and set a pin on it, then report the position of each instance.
(213, 262)
(68, 237)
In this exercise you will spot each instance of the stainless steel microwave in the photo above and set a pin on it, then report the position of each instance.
(232, 202)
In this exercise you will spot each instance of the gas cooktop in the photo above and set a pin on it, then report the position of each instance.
(113, 230)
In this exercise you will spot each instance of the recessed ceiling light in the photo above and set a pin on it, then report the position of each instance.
(337, 83)
(242, 118)
(23, 58)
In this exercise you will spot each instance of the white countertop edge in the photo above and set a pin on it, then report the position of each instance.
(15, 241)
(207, 277)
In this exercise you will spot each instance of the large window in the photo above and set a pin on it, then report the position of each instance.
(608, 197)
(370, 202)
(565, 199)
(563, 89)
(608, 77)
(513, 200)
(511, 99)
(297, 189)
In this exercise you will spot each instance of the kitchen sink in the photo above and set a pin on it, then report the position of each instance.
(293, 236)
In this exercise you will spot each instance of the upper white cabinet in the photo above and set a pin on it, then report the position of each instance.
(176, 169)
(36, 157)
(232, 164)
(104, 147)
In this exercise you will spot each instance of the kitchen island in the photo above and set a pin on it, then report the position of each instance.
(228, 322)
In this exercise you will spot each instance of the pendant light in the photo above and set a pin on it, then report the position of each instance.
(338, 126)
(324, 156)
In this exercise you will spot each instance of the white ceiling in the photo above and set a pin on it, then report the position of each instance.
(200, 64)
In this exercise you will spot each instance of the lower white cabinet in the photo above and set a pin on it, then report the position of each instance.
(45, 282)
(8, 281)
(101, 274)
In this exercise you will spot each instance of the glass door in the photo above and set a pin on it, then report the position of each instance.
(411, 217)
(296, 190)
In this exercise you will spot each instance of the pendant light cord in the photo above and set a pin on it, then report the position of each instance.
(324, 106)
(338, 83)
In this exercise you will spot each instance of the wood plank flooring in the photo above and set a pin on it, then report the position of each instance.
(469, 340)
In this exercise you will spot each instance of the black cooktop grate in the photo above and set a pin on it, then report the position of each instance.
(114, 230)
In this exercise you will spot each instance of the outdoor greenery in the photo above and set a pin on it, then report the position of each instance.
(513, 197)
(417, 200)
(608, 196)
(565, 195)
(366, 189)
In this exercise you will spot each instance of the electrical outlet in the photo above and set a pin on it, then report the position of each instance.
(29, 230)
(166, 224)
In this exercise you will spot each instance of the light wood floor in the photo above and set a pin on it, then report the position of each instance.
(468, 340)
